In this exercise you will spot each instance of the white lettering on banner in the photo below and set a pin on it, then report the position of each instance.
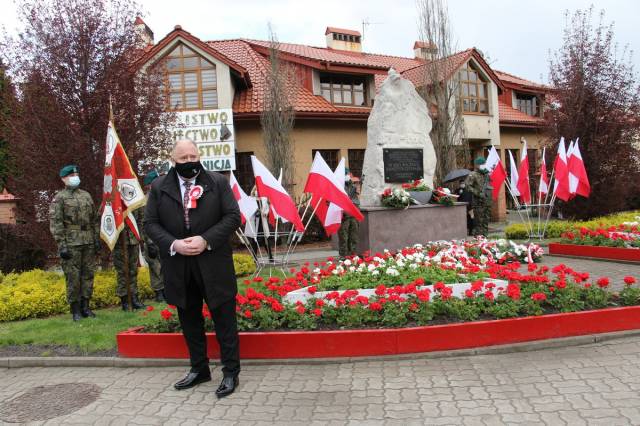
(205, 128)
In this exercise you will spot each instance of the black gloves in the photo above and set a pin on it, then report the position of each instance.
(65, 254)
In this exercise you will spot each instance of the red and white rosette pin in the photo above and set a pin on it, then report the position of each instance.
(194, 194)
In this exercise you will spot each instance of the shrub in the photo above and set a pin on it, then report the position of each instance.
(39, 293)
(556, 228)
(17, 251)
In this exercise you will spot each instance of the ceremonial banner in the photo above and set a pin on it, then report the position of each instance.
(122, 192)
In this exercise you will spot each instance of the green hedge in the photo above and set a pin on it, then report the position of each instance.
(518, 231)
(39, 293)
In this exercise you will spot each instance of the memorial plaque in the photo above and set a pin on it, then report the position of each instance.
(402, 165)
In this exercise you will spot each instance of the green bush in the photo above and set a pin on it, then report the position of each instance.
(39, 293)
(555, 228)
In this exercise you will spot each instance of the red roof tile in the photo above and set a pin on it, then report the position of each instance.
(341, 31)
(510, 79)
(510, 115)
(424, 45)
(7, 196)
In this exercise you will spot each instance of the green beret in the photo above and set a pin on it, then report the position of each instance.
(68, 169)
(150, 177)
(479, 161)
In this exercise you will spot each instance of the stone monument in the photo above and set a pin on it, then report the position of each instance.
(399, 148)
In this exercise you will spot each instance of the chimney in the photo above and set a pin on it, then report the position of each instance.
(341, 39)
(425, 50)
(144, 32)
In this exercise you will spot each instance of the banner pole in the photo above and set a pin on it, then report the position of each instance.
(125, 255)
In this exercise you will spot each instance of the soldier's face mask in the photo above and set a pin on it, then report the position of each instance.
(73, 182)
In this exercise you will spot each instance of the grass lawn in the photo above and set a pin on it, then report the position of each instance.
(89, 335)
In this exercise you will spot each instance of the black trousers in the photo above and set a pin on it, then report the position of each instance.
(192, 323)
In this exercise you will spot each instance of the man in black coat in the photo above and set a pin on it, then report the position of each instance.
(190, 216)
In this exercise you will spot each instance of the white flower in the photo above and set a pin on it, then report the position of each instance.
(413, 266)
(352, 268)
(347, 262)
(376, 272)
(316, 271)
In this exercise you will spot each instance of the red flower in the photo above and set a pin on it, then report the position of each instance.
(561, 284)
(319, 303)
(277, 306)
(172, 307)
(375, 306)
(300, 309)
(248, 314)
(166, 314)
(380, 290)
(312, 289)
(150, 308)
(513, 291)
(317, 312)
(539, 297)
(488, 295)
(531, 267)
(438, 286)
(603, 282)
(413, 307)
(629, 280)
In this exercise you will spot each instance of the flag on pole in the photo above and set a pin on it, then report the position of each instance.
(322, 183)
(523, 176)
(573, 179)
(513, 178)
(248, 205)
(122, 192)
(330, 214)
(543, 187)
(279, 199)
(497, 174)
(561, 184)
(578, 179)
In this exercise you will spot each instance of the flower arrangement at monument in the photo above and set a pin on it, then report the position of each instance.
(443, 196)
(418, 185)
(395, 197)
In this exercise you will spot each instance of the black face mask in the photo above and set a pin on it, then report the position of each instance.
(188, 170)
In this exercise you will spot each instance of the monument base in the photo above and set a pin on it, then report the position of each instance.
(393, 229)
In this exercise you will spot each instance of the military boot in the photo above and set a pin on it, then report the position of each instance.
(125, 303)
(160, 296)
(85, 310)
(136, 303)
(75, 311)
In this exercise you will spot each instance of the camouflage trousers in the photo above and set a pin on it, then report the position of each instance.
(155, 273)
(481, 218)
(348, 236)
(78, 272)
(118, 263)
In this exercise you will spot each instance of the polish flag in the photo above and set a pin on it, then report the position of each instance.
(543, 188)
(329, 214)
(248, 205)
(513, 179)
(523, 176)
(322, 182)
(573, 179)
(561, 186)
(279, 199)
(578, 179)
(497, 174)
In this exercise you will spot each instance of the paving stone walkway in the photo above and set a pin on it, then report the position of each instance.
(592, 384)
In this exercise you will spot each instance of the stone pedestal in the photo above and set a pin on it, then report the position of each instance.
(393, 229)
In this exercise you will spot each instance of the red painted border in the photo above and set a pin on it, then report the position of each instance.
(613, 253)
(353, 343)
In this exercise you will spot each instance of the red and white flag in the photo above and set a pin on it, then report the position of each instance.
(329, 214)
(248, 205)
(578, 179)
(523, 176)
(269, 187)
(561, 170)
(121, 194)
(543, 187)
(497, 174)
(513, 178)
(322, 183)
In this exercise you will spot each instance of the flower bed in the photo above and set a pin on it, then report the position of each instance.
(596, 252)
(625, 235)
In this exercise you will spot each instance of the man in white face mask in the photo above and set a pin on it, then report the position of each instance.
(74, 224)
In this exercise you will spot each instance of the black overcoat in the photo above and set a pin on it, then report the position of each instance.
(215, 218)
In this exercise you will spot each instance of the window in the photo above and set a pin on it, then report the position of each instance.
(474, 96)
(528, 104)
(356, 160)
(191, 81)
(244, 171)
(331, 156)
(344, 89)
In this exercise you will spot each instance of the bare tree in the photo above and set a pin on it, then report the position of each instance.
(440, 88)
(278, 115)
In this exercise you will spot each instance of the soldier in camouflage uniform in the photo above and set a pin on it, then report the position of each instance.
(150, 250)
(480, 187)
(133, 253)
(74, 224)
(348, 233)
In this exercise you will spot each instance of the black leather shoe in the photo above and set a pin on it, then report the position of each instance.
(160, 296)
(192, 379)
(75, 311)
(85, 310)
(124, 302)
(136, 303)
(227, 386)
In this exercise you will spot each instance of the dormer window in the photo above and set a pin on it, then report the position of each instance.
(344, 89)
(529, 104)
(191, 80)
(474, 93)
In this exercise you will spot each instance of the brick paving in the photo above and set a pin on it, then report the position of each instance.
(590, 384)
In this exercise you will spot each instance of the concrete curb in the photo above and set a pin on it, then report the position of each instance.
(26, 362)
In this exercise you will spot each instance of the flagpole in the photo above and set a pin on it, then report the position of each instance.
(297, 240)
(125, 254)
